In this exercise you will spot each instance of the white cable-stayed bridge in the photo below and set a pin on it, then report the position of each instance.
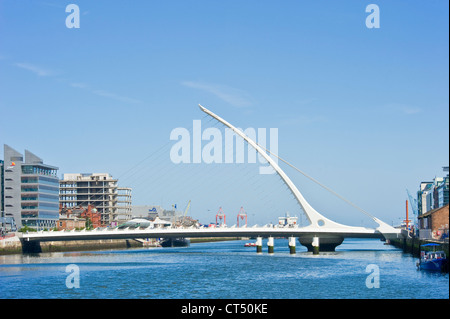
(322, 233)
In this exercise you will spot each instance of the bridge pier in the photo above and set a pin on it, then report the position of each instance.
(270, 245)
(259, 245)
(315, 245)
(292, 245)
(322, 243)
(31, 247)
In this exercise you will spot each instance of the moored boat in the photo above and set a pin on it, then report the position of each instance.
(432, 260)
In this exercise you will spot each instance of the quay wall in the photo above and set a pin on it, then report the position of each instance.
(412, 245)
(10, 245)
(408, 245)
(15, 246)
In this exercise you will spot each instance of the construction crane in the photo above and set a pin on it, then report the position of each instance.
(182, 220)
(187, 208)
(242, 214)
(413, 203)
(221, 215)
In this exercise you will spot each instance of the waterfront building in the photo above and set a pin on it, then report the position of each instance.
(6, 222)
(442, 192)
(90, 216)
(99, 190)
(432, 206)
(156, 212)
(153, 211)
(30, 190)
(424, 197)
(433, 195)
(147, 211)
(2, 206)
(69, 223)
(434, 224)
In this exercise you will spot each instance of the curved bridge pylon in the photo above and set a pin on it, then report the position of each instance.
(322, 231)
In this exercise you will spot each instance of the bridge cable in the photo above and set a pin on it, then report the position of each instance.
(314, 180)
(317, 182)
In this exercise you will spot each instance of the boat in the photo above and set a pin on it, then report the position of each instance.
(432, 260)
(175, 242)
(250, 244)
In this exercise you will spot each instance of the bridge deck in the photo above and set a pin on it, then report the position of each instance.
(202, 232)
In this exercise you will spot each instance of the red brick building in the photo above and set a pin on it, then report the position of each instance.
(78, 217)
(435, 223)
(91, 215)
(70, 223)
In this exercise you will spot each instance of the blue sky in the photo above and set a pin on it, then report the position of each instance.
(364, 111)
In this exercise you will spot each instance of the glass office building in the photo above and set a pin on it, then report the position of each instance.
(31, 190)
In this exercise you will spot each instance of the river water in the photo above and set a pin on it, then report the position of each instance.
(359, 269)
